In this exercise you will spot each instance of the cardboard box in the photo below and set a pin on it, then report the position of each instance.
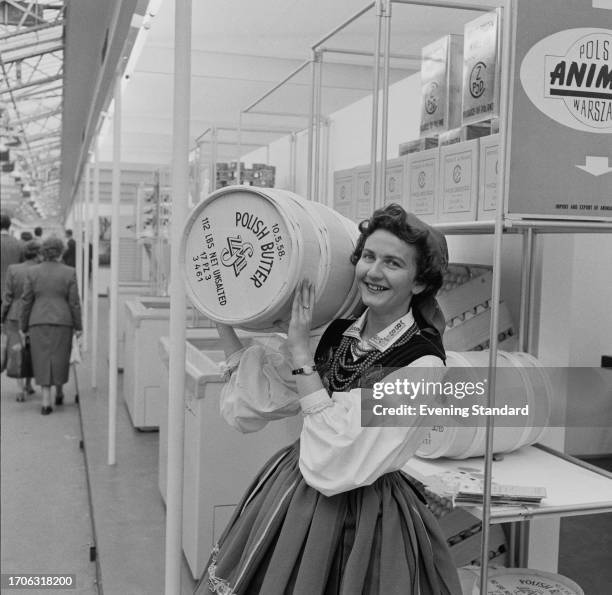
(459, 182)
(395, 181)
(488, 178)
(481, 77)
(364, 196)
(459, 135)
(344, 195)
(441, 85)
(422, 183)
(420, 144)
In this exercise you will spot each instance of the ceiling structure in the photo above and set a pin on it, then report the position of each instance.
(31, 69)
(241, 50)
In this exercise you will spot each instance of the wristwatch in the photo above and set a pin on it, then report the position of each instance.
(305, 370)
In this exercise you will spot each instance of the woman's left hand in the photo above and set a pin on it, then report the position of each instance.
(298, 334)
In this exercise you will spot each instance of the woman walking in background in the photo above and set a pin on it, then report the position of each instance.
(51, 313)
(11, 305)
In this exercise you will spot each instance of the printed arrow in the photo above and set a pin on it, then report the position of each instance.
(595, 166)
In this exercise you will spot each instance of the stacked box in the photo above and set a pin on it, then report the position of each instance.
(364, 196)
(441, 85)
(420, 144)
(263, 175)
(422, 183)
(459, 135)
(459, 182)
(394, 181)
(344, 199)
(488, 178)
(481, 77)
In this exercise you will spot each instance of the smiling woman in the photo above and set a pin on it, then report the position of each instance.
(333, 513)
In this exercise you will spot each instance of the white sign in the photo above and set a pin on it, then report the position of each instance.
(568, 77)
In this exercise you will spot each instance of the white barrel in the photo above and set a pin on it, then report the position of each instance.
(244, 251)
(526, 384)
(517, 581)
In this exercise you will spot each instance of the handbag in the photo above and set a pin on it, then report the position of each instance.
(19, 360)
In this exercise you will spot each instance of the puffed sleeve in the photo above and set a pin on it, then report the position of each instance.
(74, 303)
(337, 454)
(261, 388)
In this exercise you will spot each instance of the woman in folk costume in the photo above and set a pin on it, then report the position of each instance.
(333, 513)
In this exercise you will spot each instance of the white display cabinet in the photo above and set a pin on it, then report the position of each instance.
(211, 487)
(146, 319)
(127, 291)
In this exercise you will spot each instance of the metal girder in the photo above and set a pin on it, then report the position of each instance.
(44, 81)
(35, 117)
(50, 50)
(34, 29)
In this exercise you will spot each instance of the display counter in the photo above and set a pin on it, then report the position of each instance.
(572, 486)
(211, 486)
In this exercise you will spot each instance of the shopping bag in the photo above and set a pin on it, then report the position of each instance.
(75, 352)
(3, 342)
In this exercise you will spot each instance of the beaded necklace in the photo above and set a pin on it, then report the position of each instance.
(344, 372)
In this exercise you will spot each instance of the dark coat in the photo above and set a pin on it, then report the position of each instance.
(13, 289)
(11, 252)
(51, 296)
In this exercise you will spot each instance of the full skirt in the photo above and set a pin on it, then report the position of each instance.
(50, 345)
(286, 538)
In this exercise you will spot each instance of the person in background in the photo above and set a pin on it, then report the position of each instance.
(51, 314)
(333, 513)
(69, 257)
(26, 236)
(11, 249)
(11, 305)
(38, 233)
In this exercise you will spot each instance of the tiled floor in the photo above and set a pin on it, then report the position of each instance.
(46, 522)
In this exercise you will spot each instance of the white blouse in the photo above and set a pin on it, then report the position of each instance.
(336, 453)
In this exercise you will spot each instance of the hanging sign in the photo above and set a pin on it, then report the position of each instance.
(560, 162)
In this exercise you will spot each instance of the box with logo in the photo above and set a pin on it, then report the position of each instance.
(364, 195)
(441, 84)
(459, 135)
(419, 144)
(394, 181)
(422, 182)
(481, 76)
(488, 177)
(459, 182)
(344, 195)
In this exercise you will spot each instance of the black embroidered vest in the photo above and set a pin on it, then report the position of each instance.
(426, 341)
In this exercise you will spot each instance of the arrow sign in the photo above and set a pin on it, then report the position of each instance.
(596, 166)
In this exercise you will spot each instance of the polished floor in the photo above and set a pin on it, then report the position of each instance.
(65, 510)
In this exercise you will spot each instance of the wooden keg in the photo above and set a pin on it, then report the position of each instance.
(245, 250)
(521, 381)
(517, 581)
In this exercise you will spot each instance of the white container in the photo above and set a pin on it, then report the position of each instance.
(481, 74)
(395, 181)
(488, 178)
(364, 195)
(344, 193)
(517, 581)
(146, 319)
(526, 384)
(441, 84)
(458, 182)
(245, 250)
(422, 183)
(211, 487)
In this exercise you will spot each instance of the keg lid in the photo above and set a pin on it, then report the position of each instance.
(516, 581)
(236, 255)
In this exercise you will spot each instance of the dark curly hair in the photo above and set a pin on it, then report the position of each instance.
(52, 248)
(31, 250)
(432, 253)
